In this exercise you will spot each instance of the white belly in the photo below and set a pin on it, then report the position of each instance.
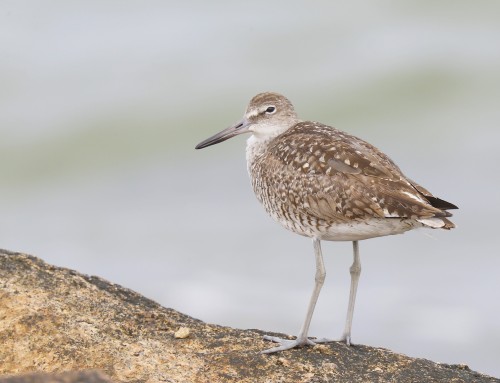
(375, 227)
(349, 231)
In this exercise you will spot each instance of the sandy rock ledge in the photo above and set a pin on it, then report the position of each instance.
(82, 328)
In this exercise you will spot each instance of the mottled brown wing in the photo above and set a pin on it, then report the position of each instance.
(339, 176)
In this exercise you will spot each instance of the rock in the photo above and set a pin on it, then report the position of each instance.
(182, 333)
(54, 320)
(65, 377)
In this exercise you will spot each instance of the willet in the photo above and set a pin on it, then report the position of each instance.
(325, 184)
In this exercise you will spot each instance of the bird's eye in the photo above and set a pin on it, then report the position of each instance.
(270, 109)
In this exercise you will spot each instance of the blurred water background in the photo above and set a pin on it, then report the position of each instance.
(102, 103)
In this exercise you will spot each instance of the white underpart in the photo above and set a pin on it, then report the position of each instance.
(371, 228)
(432, 222)
(350, 231)
(255, 148)
(257, 143)
(265, 130)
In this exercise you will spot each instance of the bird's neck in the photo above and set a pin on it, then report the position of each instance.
(262, 136)
(257, 145)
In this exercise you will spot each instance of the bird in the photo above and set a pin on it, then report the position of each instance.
(328, 185)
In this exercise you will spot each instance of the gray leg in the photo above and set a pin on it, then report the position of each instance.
(302, 340)
(355, 272)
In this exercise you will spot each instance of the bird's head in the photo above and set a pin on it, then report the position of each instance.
(267, 116)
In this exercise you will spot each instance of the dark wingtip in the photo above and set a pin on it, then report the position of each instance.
(440, 203)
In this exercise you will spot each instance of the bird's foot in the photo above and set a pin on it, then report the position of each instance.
(346, 339)
(287, 344)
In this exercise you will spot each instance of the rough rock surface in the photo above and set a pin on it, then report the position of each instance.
(55, 320)
(64, 377)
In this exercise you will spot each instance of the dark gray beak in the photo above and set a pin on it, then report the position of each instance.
(234, 130)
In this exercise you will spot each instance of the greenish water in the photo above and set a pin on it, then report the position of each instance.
(102, 103)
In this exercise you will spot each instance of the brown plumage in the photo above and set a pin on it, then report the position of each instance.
(332, 177)
(326, 184)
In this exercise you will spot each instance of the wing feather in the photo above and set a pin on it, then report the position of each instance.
(336, 176)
